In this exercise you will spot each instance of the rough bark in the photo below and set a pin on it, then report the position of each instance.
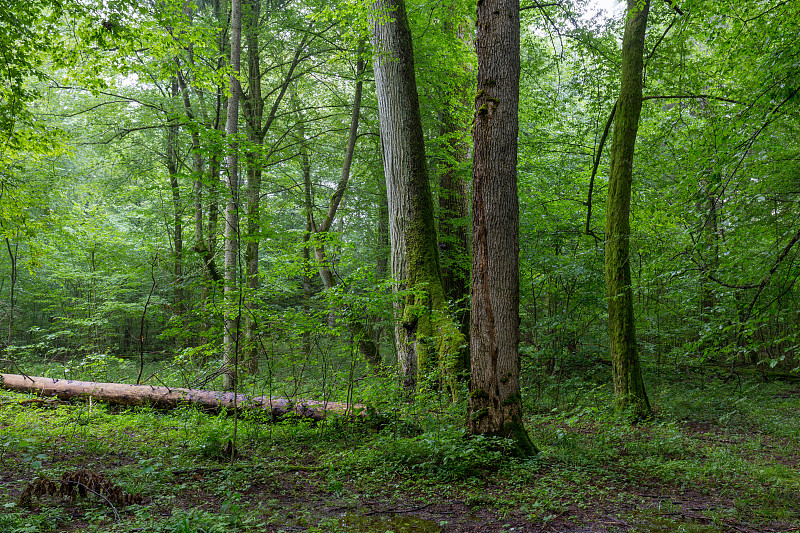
(170, 397)
(630, 395)
(495, 403)
(232, 309)
(424, 331)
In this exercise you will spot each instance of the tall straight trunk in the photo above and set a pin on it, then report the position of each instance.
(232, 309)
(172, 169)
(423, 315)
(629, 391)
(254, 111)
(495, 402)
(308, 196)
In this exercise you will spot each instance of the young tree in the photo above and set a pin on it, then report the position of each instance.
(495, 403)
(455, 117)
(253, 109)
(173, 128)
(231, 336)
(629, 391)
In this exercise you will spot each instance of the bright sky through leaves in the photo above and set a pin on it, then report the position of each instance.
(611, 7)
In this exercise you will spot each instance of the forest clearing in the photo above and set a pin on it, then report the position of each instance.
(399, 265)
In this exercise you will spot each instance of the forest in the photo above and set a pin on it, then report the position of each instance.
(399, 265)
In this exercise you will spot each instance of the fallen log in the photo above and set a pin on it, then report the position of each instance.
(171, 397)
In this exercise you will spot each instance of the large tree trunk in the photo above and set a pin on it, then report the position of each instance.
(629, 391)
(495, 403)
(170, 397)
(232, 310)
(414, 257)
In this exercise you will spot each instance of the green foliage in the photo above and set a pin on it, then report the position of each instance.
(727, 440)
(88, 232)
(444, 455)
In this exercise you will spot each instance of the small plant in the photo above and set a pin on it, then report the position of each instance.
(446, 456)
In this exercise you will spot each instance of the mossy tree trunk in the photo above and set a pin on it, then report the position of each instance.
(630, 395)
(495, 403)
(425, 333)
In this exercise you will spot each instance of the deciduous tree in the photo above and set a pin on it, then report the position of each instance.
(629, 390)
(495, 403)
(424, 331)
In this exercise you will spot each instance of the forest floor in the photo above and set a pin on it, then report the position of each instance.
(719, 457)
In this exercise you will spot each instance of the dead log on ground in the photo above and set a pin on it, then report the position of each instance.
(171, 397)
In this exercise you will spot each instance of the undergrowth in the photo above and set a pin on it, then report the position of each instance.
(733, 445)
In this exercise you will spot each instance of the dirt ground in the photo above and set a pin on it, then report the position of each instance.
(296, 500)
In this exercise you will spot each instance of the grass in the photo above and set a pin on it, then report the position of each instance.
(717, 456)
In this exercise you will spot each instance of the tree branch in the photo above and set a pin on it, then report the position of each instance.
(594, 169)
